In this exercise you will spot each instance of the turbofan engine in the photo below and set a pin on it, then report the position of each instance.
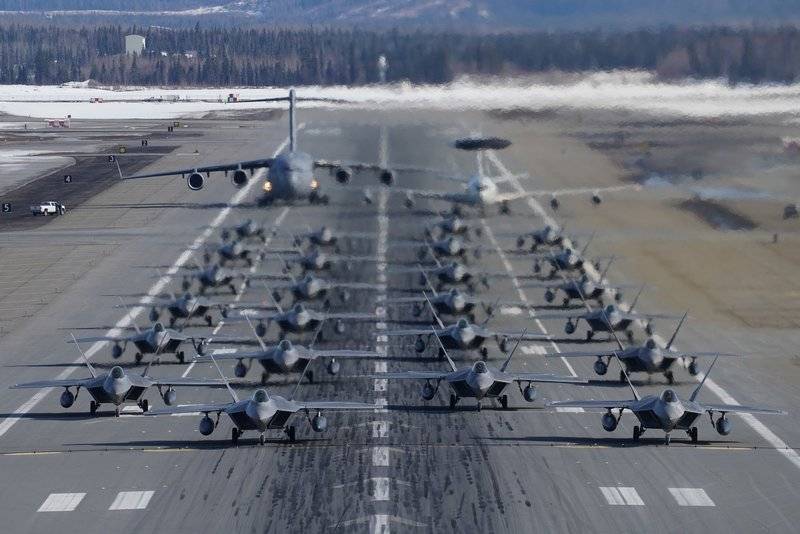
(239, 178)
(609, 422)
(206, 426)
(170, 396)
(343, 174)
(386, 177)
(319, 423)
(195, 181)
(67, 399)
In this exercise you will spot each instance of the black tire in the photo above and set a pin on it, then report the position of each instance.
(291, 434)
(209, 320)
(310, 376)
(636, 433)
(504, 402)
(235, 435)
(138, 357)
(264, 378)
(589, 335)
(622, 377)
(453, 401)
(93, 407)
(144, 405)
(670, 377)
(261, 439)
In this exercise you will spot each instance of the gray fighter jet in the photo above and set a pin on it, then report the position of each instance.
(666, 412)
(117, 387)
(311, 287)
(566, 261)
(285, 358)
(582, 287)
(479, 381)
(233, 251)
(448, 226)
(447, 247)
(261, 412)
(316, 259)
(185, 306)
(325, 236)
(649, 357)
(212, 276)
(155, 340)
(247, 229)
(452, 302)
(462, 335)
(291, 173)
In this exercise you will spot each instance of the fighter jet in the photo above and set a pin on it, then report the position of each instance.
(285, 357)
(454, 273)
(117, 387)
(298, 319)
(232, 251)
(452, 302)
(261, 412)
(666, 412)
(316, 259)
(462, 335)
(311, 287)
(478, 381)
(247, 229)
(582, 287)
(549, 236)
(612, 318)
(291, 174)
(212, 276)
(450, 226)
(649, 357)
(447, 247)
(327, 237)
(155, 340)
(565, 261)
(185, 306)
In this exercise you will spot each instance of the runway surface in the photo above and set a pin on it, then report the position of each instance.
(411, 465)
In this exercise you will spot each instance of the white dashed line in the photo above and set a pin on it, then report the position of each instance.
(622, 496)
(61, 502)
(691, 497)
(380, 488)
(380, 457)
(131, 500)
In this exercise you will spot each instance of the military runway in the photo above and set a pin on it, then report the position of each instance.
(409, 465)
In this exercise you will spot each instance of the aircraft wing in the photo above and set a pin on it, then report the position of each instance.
(334, 405)
(428, 193)
(92, 339)
(53, 383)
(586, 354)
(356, 285)
(253, 164)
(690, 354)
(345, 354)
(187, 382)
(408, 332)
(528, 336)
(546, 377)
(410, 375)
(738, 408)
(352, 316)
(506, 197)
(232, 355)
(597, 405)
(191, 408)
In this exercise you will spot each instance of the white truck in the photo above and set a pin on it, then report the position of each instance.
(51, 207)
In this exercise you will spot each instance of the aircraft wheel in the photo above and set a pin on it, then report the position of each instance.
(670, 377)
(116, 411)
(209, 320)
(693, 434)
(565, 302)
(232, 288)
(235, 433)
(144, 405)
(471, 317)
(636, 433)
(291, 434)
(478, 407)
(504, 402)
(484, 352)
(310, 376)
(261, 439)
(667, 438)
(589, 335)
(181, 356)
(264, 378)
(453, 401)
(171, 322)
(138, 357)
(630, 336)
(93, 407)
(622, 377)
(441, 353)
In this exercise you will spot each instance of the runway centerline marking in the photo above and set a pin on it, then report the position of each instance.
(691, 497)
(155, 289)
(621, 496)
(760, 428)
(131, 500)
(61, 502)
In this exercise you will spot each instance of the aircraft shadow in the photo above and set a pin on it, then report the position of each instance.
(619, 442)
(465, 407)
(215, 444)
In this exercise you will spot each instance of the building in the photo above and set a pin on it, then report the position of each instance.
(134, 44)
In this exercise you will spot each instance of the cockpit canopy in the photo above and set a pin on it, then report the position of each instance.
(117, 372)
(260, 395)
(479, 368)
(187, 296)
(454, 292)
(462, 323)
(285, 345)
(669, 396)
(651, 344)
(610, 309)
(299, 308)
(158, 327)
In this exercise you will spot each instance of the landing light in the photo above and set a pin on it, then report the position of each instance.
(314, 183)
(267, 186)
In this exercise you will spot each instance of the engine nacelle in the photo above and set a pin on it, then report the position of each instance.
(723, 426)
(339, 327)
(609, 422)
(428, 391)
(569, 328)
(520, 242)
(170, 397)
(554, 204)
(240, 370)
(529, 393)
(334, 367)
(261, 329)
(195, 181)
(67, 399)
(153, 315)
(386, 176)
(596, 199)
(549, 296)
(693, 370)
(116, 351)
(206, 426)
(600, 367)
(319, 423)
(504, 344)
(239, 178)
(419, 345)
(343, 174)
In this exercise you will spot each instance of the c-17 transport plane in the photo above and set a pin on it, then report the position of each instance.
(117, 387)
(291, 173)
(666, 412)
(261, 412)
(479, 381)
(650, 358)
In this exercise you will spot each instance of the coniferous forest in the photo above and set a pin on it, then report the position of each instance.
(42, 54)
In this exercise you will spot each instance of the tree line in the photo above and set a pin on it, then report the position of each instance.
(37, 54)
